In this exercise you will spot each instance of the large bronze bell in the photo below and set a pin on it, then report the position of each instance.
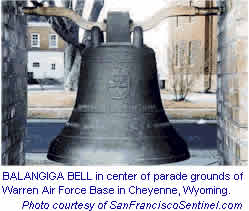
(118, 117)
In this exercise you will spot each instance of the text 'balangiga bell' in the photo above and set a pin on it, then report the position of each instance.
(118, 117)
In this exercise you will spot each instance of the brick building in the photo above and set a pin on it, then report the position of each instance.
(46, 51)
(193, 46)
(14, 82)
(232, 83)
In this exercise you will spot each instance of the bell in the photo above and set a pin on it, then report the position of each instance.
(118, 117)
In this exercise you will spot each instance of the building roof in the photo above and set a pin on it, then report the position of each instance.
(46, 50)
(35, 18)
(38, 24)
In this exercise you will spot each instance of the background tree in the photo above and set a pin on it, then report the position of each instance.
(69, 32)
(184, 69)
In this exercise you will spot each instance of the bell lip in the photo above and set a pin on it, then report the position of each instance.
(155, 161)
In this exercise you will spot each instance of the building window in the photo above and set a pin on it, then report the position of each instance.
(53, 41)
(53, 67)
(177, 21)
(190, 55)
(36, 64)
(35, 40)
(176, 55)
(190, 17)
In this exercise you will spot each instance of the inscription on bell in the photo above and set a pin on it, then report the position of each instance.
(138, 108)
(119, 86)
(90, 108)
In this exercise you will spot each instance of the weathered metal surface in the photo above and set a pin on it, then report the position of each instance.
(118, 27)
(118, 117)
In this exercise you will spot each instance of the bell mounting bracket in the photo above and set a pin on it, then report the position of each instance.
(148, 24)
(118, 27)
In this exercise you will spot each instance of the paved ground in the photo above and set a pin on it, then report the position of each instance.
(201, 139)
(193, 97)
(198, 135)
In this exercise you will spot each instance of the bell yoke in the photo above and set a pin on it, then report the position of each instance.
(118, 117)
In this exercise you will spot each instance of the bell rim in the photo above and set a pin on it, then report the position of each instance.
(156, 161)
